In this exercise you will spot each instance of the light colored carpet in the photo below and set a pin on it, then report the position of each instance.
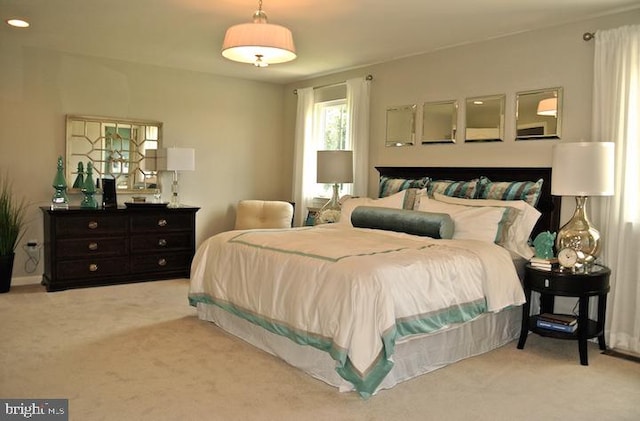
(138, 352)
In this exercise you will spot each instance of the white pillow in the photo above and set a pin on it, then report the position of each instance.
(519, 231)
(469, 222)
(395, 201)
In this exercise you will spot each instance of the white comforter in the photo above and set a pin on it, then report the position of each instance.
(352, 292)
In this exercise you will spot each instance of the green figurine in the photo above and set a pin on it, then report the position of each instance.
(60, 199)
(80, 177)
(543, 244)
(89, 189)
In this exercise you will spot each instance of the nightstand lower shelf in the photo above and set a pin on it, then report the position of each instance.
(592, 330)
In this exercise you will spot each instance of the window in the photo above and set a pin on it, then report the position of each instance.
(330, 133)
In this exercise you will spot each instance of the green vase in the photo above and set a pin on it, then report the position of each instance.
(89, 190)
(60, 199)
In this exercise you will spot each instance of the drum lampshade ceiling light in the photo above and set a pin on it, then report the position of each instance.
(260, 43)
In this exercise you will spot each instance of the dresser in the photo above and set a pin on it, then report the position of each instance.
(92, 247)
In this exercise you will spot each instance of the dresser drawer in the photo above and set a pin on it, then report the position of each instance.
(161, 222)
(92, 268)
(161, 262)
(92, 247)
(90, 226)
(161, 241)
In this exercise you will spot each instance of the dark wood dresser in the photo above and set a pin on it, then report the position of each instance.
(92, 247)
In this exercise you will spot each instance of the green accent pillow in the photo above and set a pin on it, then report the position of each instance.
(529, 191)
(390, 185)
(426, 224)
(464, 189)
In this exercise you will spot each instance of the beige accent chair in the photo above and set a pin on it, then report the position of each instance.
(263, 214)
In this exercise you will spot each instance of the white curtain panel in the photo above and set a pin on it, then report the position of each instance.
(358, 132)
(304, 152)
(616, 118)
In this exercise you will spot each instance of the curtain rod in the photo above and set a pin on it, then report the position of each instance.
(329, 85)
(588, 36)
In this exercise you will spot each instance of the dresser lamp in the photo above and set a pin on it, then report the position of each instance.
(175, 160)
(334, 167)
(582, 169)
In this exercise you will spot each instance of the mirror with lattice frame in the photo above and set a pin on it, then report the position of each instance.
(122, 149)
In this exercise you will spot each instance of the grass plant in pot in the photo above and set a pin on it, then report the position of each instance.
(12, 223)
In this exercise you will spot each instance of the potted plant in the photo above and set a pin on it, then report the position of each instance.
(12, 222)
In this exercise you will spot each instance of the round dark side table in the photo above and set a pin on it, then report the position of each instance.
(566, 283)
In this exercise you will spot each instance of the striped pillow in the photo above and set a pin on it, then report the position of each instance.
(390, 185)
(464, 189)
(529, 191)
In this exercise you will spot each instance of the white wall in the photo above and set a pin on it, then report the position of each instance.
(234, 125)
(555, 57)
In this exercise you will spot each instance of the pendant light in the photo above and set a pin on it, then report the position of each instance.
(260, 42)
(548, 107)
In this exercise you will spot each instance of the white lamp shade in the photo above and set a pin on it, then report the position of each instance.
(177, 159)
(583, 169)
(548, 107)
(335, 167)
(245, 42)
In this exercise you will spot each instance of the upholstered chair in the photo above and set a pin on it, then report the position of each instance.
(263, 214)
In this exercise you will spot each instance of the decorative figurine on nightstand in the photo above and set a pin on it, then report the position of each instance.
(60, 199)
(88, 190)
(79, 183)
(543, 244)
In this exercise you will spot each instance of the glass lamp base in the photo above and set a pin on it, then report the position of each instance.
(330, 212)
(175, 198)
(579, 235)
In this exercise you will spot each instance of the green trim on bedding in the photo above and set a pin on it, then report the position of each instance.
(364, 383)
(431, 322)
(238, 240)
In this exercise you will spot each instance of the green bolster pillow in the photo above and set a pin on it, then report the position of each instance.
(426, 224)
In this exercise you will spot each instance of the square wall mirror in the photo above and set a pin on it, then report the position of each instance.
(539, 114)
(401, 125)
(485, 119)
(439, 122)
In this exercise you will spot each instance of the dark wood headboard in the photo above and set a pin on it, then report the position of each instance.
(549, 205)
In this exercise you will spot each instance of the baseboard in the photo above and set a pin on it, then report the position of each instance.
(623, 355)
(26, 280)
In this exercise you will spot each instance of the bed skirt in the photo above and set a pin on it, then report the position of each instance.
(413, 356)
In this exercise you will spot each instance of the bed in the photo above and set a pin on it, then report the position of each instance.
(403, 285)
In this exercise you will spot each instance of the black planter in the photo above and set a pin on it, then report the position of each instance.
(6, 269)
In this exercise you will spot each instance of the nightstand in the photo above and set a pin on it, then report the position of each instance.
(556, 282)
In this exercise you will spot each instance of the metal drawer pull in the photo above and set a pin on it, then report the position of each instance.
(162, 222)
(162, 262)
(162, 242)
(93, 246)
(93, 267)
(93, 225)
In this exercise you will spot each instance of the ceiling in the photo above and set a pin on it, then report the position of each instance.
(330, 35)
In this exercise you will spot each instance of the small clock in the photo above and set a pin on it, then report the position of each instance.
(570, 258)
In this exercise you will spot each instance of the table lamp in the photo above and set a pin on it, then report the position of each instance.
(582, 169)
(176, 159)
(334, 167)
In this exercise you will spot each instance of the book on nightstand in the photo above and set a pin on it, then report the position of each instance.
(540, 263)
(562, 319)
(558, 327)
